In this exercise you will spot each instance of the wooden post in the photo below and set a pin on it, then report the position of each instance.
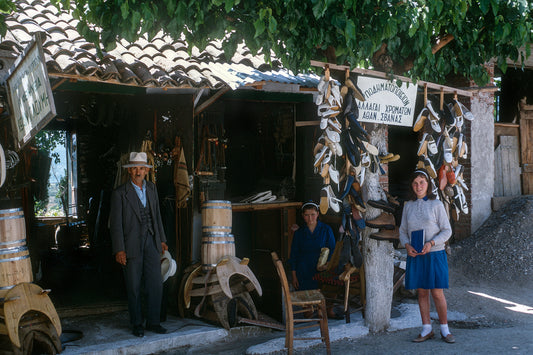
(377, 254)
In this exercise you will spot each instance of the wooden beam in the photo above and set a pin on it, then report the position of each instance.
(306, 123)
(383, 75)
(58, 83)
(110, 81)
(211, 100)
(198, 96)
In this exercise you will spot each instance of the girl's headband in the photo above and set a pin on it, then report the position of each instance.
(420, 171)
(310, 203)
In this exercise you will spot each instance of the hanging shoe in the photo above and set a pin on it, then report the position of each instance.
(421, 119)
(323, 122)
(447, 152)
(462, 201)
(332, 135)
(455, 139)
(334, 124)
(324, 170)
(370, 148)
(365, 160)
(336, 93)
(428, 165)
(320, 156)
(432, 110)
(333, 201)
(356, 130)
(358, 201)
(324, 200)
(357, 93)
(322, 85)
(347, 185)
(432, 145)
(392, 235)
(361, 176)
(447, 115)
(422, 146)
(463, 152)
(358, 219)
(464, 111)
(384, 221)
(382, 204)
(334, 174)
(441, 176)
(385, 156)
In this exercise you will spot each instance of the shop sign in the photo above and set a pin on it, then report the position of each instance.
(28, 87)
(386, 102)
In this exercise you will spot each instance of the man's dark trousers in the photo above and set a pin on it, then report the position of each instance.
(146, 267)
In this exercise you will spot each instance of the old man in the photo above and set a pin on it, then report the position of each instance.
(138, 240)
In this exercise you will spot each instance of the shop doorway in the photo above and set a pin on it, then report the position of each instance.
(402, 141)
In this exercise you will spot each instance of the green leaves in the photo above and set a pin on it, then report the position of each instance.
(299, 31)
(125, 9)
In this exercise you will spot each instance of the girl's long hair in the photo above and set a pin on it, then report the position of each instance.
(423, 173)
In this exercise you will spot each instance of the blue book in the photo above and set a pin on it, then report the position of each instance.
(417, 240)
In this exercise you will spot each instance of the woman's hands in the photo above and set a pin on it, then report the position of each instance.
(412, 251)
(294, 280)
(323, 267)
(426, 249)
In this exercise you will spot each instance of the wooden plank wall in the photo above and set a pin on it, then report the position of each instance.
(507, 167)
(526, 142)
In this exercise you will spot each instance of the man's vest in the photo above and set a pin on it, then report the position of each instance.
(146, 218)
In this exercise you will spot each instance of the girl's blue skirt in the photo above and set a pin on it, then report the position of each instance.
(427, 271)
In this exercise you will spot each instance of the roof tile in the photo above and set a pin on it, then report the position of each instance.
(161, 61)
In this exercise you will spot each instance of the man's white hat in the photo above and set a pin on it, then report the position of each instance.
(137, 159)
(168, 266)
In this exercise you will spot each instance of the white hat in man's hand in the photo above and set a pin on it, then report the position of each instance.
(168, 265)
(137, 159)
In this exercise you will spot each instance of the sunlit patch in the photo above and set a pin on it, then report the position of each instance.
(515, 307)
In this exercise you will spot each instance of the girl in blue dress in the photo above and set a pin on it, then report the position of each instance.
(305, 248)
(424, 230)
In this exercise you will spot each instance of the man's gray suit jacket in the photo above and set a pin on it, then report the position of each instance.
(125, 217)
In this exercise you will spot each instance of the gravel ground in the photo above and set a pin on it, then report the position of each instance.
(497, 262)
(502, 248)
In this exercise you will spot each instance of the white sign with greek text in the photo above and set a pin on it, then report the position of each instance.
(386, 102)
(32, 103)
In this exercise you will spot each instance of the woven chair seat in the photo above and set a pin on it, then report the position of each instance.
(306, 297)
(331, 278)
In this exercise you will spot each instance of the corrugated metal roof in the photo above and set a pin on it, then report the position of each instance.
(162, 62)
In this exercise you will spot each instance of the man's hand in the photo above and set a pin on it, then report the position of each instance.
(120, 257)
(164, 246)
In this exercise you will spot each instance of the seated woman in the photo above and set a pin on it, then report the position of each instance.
(307, 243)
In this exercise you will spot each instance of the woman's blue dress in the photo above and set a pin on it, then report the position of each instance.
(305, 250)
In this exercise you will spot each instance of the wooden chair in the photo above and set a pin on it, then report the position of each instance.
(309, 300)
(352, 286)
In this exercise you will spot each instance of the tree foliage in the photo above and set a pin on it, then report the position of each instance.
(300, 30)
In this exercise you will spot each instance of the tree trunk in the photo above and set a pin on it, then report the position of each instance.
(378, 261)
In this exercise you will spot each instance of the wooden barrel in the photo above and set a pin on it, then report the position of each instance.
(216, 245)
(15, 264)
(216, 216)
